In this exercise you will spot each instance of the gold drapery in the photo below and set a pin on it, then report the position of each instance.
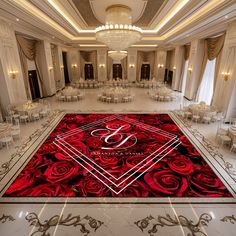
(184, 56)
(29, 49)
(124, 68)
(212, 50)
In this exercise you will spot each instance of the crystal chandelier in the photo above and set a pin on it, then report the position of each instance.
(117, 55)
(118, 33)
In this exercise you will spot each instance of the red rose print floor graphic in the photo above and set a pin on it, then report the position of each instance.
(117, 155)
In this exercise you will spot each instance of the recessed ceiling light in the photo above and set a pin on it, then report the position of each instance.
(226, 17)
(17, 19)
(53, 37)
(187, 35)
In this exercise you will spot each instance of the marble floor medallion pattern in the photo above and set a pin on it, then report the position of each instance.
(136, 157)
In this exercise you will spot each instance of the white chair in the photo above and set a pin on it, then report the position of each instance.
(62, 98)
(108, 99)
(6, 140)
(43, 113)
(125, 99)
(167, 98)
(35, 116)
(233, 147)
(24, 118)
(68, 98)
(225, 140)
(8, 119)
(161, 98)
(80, 96)
(196, 117)
(15, 133)
(207, 118)
(75, 98)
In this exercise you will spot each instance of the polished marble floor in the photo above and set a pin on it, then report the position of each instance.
(29, 217)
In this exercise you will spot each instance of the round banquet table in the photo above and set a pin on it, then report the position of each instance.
(29, 107)
(202, 110)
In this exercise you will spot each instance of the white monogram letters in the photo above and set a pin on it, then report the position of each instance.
(115, 138)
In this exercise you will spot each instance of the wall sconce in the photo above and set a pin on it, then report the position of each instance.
(13, 73)
(190, 69)
(160, 66)
(131, 66)
(62, 67)
(174, 67)
(102, 65)
(74, 66)
(225, 76)
(50, 68)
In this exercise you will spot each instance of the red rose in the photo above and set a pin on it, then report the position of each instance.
(90, 187)
(133, 161)
(48, 190)
(47, 148)
(205, 183)
(184, 141)
(62, 157)
(166, 118)
(115, 124)
(166, 182)
(61, 171)
(106, 161)
(23, 181)
(181, 165)
(35, 161)
(172, 128)
(94, 143)
(38, 162)
(136, 189)
(77, 145)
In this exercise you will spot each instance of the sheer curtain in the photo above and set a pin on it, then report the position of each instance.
(207, 83)
(185, 75)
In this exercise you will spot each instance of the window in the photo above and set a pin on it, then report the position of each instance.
(184, 77)
(207, 84)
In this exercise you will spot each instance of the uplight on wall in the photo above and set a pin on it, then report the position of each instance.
(74, 66)
(50, 68)
(13, 73)
(101, 65)
(131, 66)
(62, 67)
(174, 67)
(190, 69)
(225, 76)
(160, 66)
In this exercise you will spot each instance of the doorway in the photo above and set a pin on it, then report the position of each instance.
(117, 71)
(66, 73)
(88, 72)
(34, 84)
(145, 72)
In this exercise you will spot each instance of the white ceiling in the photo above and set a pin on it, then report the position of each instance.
(99, 6)
(197, 18)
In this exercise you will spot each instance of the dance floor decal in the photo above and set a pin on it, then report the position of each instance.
(117, 155)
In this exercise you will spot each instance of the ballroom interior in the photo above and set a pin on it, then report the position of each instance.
(117, 117)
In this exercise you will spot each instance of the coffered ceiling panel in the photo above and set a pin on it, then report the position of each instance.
(84, 8)
(151, 10)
